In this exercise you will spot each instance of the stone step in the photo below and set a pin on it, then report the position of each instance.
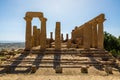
(34, 59)
(69, 51)
(48, 66)
(63, 63)
(28, 66)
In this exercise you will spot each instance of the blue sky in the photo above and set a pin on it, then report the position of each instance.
(70, 13)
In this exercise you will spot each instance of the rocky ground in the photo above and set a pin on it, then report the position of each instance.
(68, 74)
(49, 73)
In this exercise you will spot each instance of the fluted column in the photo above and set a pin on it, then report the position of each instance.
(38, 37)
(34, 36)
(90, 34)
(28, 40)
(32, 40)
(86, 36)
(73, 35)
(66, 37)
(62, 38)
(57, 37)
(100, 34)
(43, 33)
(94, 35)
(51, 35)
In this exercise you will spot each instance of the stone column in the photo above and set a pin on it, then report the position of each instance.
(38, 37)
(81, 32)
(28, 41)
(43, 33)
(51, 35)
(94, 34)
(34, 36)
(100, 34)
(62, 38)
(72, 35)
(57, 37)
(86, 37)
(66, 37)
(69, 44)
(32, 40)
(90, 34)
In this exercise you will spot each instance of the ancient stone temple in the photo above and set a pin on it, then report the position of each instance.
(37, 34)
(84, 49)
(90, 34)
(87, 36)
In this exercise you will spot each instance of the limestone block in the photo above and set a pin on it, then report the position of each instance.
(108, 69)
(84, 69)
(33, 69)
(58, 69)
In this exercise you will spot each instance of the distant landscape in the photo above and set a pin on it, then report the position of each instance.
(11, 45)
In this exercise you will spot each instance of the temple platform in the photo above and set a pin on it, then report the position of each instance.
(35, 59)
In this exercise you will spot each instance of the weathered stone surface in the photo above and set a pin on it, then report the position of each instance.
(94, 34)
(67, 37)
(28, 39)
(86, 37)
(72, 34)
(58, 69)
(34, 14)
(89, 35)
(33, 68)
(100, 33)
(57, 37)
(7, 69)
(108, 69)
(43, 33)
(28, 44)
(69, 44)
(62, 38)
(51, 35)
(38, 37)
(84, 70)
(34, 36)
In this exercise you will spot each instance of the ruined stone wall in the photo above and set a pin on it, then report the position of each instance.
(91, 35)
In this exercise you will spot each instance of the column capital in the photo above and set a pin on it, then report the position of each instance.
(73, 30)
(58, 23)
(28, 18)
(35, 26)
(43, 19)
(100, 20)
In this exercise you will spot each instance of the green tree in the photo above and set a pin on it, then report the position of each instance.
(112, 44)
